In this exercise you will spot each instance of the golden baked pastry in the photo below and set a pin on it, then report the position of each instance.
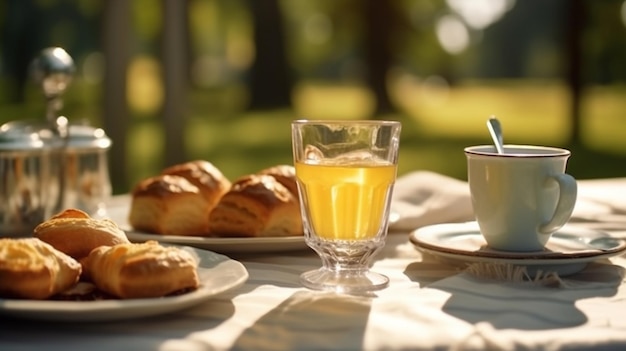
(71, 213)
(204, 175)
(33, 269)
(286, 175)
(169, 205)
(257, 205)
(142, 270)
(75, 233)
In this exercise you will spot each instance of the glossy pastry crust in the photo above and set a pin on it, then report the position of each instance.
(205, 176)
(75, 233)
(33, 269)
(195, 199)
(286, 175)
(169, 205)
(142, 270)
(257, 205)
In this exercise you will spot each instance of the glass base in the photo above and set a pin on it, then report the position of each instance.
(347, 281)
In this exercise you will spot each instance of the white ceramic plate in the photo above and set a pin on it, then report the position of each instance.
(223, 245)
(217, 274)
(568, 251)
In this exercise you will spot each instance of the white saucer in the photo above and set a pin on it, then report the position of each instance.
(568, 251)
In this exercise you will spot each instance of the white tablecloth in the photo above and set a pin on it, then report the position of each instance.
(428, 304)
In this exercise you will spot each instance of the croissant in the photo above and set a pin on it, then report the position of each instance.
(140, 270)
(170, 205)
(75, 233)
(285, 175)
(204, 175)
(257, 205)
(33, 269)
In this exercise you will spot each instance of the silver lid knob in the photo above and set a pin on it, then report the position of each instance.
(53, 70)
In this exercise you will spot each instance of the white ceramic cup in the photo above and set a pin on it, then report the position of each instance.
(521, 197)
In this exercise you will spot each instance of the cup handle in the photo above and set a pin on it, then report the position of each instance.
(567, 200)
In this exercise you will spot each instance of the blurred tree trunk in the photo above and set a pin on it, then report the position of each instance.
(116, 46)
(380, 19)
(22, 40)
(573, 51)
(270, 78)
(174, 54)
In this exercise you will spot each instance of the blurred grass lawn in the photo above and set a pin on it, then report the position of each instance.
(437, 125)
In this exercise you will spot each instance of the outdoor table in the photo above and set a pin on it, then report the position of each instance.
(430, 303)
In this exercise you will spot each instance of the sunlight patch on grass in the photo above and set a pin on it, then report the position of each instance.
(251, 129)
(318, 100)
(263, 129)
(242, 145)
(604, 126)
(202, 136)
(529, 112)
(145, 150)
(436, 127)
(145, 91)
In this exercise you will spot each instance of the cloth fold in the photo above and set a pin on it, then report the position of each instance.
(424, 198)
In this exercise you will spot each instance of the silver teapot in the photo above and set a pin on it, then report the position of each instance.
(47, 166)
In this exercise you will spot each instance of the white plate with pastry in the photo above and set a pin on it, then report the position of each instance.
(225, 245)
(256, 213)
(217, 274)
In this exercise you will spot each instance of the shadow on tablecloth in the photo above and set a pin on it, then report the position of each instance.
(325, 320)
(517, 305)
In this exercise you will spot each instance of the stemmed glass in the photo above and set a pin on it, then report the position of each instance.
(346, 171)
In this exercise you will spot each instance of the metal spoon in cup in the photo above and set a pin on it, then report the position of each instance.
(496, 133)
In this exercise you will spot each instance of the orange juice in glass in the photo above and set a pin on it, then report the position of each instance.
(345, 171)
(346, 202)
